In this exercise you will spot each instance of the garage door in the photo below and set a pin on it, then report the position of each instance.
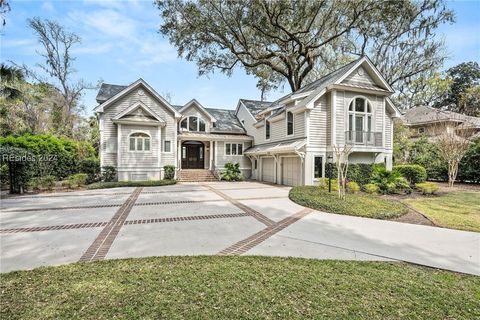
(268, 171)
(291, 171)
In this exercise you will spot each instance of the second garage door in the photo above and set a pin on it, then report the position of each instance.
(268, 171)
(291, 171)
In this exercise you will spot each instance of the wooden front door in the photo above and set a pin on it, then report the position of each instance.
(193, 155)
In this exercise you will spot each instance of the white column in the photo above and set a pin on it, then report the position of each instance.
(119, 142)
(215, 156)
(333, 111)
(179, 154)
(211, 156)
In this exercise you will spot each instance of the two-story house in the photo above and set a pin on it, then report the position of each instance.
(288, 141)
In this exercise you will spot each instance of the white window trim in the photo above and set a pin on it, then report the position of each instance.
(286, 123)
(322, 174)
(233, 155)
(265, 130)
(171, 146)
(188, 124)
(365, 115)
(143, 142)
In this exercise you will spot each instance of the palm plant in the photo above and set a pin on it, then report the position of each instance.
(389, 181)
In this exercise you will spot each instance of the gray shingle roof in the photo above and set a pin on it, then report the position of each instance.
(227, 121)
(255, 106)
(425, 114)
(107, 91)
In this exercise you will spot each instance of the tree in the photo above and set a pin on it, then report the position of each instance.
(469, 101)
(57, 44)
(341, 162)
(401, 142)
(451, 146)
(283, 41)
(425, 91)
(11, 77)
(464, 76)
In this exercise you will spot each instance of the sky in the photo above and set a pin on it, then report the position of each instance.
(121, 43)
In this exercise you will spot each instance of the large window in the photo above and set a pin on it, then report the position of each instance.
(360, 120)
(233, 149)
(317, 169)
(289, 123)
(139, 142)
(267, 129)
(193, 123)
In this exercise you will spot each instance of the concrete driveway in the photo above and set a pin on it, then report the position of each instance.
(245, 218)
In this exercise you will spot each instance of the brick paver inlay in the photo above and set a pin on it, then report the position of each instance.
(100, 246)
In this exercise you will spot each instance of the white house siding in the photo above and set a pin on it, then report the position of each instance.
(221, 158)
(257, 134)
(341, 105)
(357, 79)
(109, 147)
(320, 124)
(388, 131)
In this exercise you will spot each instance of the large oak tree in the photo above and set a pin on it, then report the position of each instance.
(298, 41)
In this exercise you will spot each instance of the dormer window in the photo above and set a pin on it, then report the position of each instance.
(139, 141)
(289, 123)
(193, 123)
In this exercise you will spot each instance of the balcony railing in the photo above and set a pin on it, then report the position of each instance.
(365, 138)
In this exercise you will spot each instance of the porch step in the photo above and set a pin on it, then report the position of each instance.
(196, 175)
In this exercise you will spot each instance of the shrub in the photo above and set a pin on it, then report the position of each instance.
(42, 183)
(370, 188)
(109, 173)
(53, 155)
(427, 187)
(323, 184)
(468, 170)
(425, 154)
(353, 187)
(414, 173)
(91, 167)
(232, 172)
(117, 184)
(19, 164)
(169, 171)
(77, 180)
(389, 181)
(361, 173)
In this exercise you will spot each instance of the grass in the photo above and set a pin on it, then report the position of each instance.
(456, 210)
(360, 204)
(117, 184)
(238, 288)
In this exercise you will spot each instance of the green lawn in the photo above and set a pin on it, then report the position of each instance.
(238, 288)
(117, 184)
(360, 204)
(456, 210)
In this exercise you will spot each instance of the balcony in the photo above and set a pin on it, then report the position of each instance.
(364, 138)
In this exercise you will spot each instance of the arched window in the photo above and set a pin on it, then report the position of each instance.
(360, 120)
(139, 141)
(193, 123)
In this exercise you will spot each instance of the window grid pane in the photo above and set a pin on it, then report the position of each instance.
(193, 124)
(227, 149)
(146, 144)
(167, 147)
(139, 144)
(234, 149)
(132, 144)
(240, 149)
(318, 167)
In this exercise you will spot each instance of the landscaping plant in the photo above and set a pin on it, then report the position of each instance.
(389, 181)
(427, 187)
(353, 187)
(109, 173)
(232, 172)
(169, 172)
(370, 188)
(414, 173)
(323, 184)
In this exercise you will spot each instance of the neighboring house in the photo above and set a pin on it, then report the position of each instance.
(427, 121)
(288, 141)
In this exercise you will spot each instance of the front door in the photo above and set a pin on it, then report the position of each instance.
(193, 155)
